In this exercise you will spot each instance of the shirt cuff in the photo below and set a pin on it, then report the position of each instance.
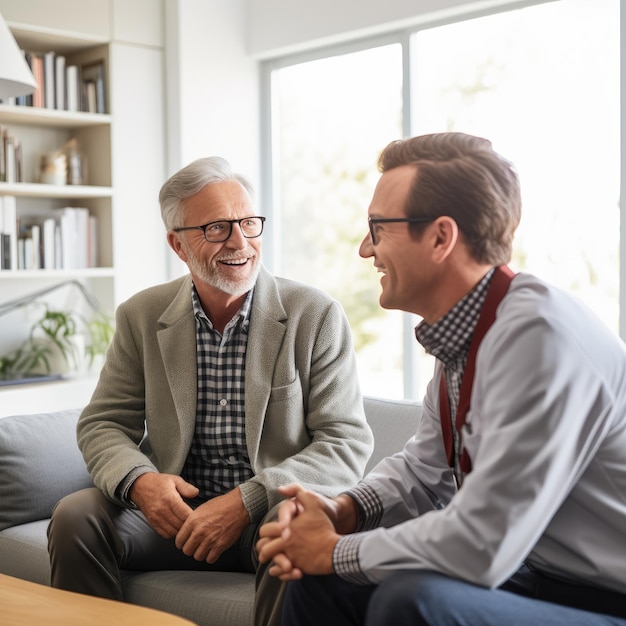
(346, 560)
(123, 489)
(369, 506)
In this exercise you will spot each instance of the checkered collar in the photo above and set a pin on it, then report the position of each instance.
(449, 338)
(242, 316)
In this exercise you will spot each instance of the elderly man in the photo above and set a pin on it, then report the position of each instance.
(218, 387)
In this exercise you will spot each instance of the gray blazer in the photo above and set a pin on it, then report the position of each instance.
(304, 411)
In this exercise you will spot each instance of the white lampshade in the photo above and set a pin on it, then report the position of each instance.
(16, 79)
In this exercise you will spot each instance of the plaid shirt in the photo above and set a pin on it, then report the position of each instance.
(218, 458)
(448, 340)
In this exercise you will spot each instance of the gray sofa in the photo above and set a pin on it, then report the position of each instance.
(40, 463)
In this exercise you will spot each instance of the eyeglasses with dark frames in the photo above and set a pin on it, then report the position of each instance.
(221, 230)
(391, 220)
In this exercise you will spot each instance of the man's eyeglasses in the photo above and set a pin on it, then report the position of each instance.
(216, 232)
(389, 220)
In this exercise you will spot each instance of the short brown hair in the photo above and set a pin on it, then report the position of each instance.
(462, 176)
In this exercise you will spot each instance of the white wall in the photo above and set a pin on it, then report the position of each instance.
(88, 18)
(213, 99)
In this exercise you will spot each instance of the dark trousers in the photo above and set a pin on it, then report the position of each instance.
(90, 539)
(425, 598)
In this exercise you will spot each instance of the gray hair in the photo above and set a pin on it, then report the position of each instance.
(189, 181)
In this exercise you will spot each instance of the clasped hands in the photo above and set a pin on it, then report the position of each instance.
(204, 533)
(303, 537)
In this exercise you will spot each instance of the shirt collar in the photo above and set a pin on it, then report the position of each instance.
(449, 338)
(242, 316)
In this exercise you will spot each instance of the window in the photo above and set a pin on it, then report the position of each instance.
(548, 98)
(331, 118)
(546, 95)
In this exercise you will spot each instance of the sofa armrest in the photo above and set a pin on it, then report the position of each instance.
(39, 464)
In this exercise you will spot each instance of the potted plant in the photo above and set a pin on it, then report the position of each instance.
(60, 342)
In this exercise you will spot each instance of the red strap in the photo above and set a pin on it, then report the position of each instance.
(446, 420)
(498, 287)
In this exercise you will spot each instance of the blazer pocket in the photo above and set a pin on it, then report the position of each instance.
(278, 394)
(284, 427)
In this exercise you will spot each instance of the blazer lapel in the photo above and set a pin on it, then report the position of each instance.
(177, 342)
(267, 330)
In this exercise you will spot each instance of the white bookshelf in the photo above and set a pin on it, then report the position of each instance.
(125, 154)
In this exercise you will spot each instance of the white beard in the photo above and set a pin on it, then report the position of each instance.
(211, 275)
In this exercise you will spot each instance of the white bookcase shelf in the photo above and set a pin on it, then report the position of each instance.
(125, 154)
(37, 116)
(39, 190)
(39, 131)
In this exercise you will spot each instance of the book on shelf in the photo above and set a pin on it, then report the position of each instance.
(63, 85)
(8, 232)
(35, 235)
(58, 246)
(92, 242)
(59, 83)
(11, 164)
(38, 73)
(91, 104)
(21, 253)
(10, 169)
(77, 230)
(5, 252)
(19, 161)
(72, 81)
(49, 244)
(49, 80)
(29, 248)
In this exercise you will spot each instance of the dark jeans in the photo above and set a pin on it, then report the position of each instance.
(425, 598)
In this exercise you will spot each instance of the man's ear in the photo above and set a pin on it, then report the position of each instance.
(446, 237)
(175, 244)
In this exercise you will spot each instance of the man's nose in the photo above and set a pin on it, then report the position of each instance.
(236, 239)
(366, 249)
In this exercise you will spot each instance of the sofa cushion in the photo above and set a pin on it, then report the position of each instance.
(205, 598)
(39, 464)
(24, 552)
(393, 423)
